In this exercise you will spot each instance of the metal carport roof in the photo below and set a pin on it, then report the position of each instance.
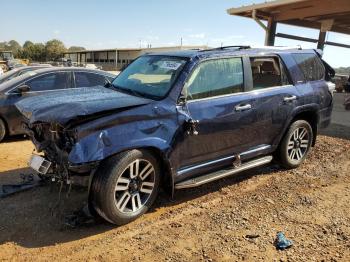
(325, 15)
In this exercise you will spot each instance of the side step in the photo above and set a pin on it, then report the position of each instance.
(197, 181)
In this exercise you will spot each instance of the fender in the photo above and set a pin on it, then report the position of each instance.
(313, 108)
(101, 145)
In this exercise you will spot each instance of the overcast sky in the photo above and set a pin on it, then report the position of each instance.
(97, 24)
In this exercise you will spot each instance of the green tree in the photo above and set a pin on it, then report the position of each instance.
(39, 54)
(76, 48)
(54, 49)
(2, 45)
(15, 47)
(27, 51)
(28, 44)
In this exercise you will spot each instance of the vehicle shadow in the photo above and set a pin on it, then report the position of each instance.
(33, 218)
(16, 138)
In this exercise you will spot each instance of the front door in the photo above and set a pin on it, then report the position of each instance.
(216, 99)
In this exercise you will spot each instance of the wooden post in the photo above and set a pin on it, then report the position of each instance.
(321, 40)
(270, 32)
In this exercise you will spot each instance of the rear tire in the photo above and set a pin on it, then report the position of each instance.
(295, 145)
(2, 130)
(125, 186)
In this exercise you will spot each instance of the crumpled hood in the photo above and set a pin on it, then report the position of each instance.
(62, 106)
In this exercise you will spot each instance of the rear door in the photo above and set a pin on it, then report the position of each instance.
(273, 97)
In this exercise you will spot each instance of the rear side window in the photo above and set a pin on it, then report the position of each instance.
(83, 79)
(57, 80)
(215, 77)
(268, 72)
(311, 66)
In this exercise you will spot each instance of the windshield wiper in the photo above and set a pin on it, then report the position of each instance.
(132, 92)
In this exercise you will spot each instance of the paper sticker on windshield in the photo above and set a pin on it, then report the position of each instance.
(171, 65)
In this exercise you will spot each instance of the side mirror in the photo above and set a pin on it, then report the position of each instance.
(23, 89)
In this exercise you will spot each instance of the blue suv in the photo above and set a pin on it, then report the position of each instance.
(180, 120)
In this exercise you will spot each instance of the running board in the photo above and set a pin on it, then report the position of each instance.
(197, 181)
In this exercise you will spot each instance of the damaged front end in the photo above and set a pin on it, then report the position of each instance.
(53, 143)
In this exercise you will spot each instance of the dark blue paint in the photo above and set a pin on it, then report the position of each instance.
(163, 125)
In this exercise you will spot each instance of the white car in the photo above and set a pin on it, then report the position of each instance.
(1, 71)
(91, 66)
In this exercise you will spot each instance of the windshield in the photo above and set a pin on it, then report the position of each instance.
(150, 76)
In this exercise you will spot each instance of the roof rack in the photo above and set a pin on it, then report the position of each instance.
(238, 47)
(279, 47)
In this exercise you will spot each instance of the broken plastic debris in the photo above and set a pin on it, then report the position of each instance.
(282, 242)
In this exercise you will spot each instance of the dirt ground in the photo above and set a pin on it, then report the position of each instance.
(233, 219)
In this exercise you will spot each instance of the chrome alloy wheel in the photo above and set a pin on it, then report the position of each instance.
(134, 186)
(298, 144)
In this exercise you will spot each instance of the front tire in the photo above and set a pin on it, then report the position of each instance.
(2, 130)
(125, 186)
(295, 145)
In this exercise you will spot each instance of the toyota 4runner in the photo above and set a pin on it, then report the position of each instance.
(180, 119)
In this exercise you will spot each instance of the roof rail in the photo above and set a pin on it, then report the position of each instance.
(238, 47)
(279, 47)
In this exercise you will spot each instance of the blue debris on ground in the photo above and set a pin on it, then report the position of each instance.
(281, 242)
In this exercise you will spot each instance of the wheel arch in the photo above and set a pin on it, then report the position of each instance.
(167, 181)
(308, 114)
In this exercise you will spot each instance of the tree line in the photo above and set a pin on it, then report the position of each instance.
(343, 70)
(38, 52)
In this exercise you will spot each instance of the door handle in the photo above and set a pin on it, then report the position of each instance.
(243, 107)
(289, 98)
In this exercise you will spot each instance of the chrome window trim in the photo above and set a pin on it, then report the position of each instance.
(210, 59)
(244, 79)
(262, 90)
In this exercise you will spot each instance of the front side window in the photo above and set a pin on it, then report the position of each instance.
(268, 72)
(150, 76)
(52, 81)
(311, 66)
(215, 78)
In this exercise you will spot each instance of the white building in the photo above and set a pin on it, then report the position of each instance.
(115, 59)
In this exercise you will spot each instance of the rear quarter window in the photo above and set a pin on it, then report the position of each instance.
(311, 66)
